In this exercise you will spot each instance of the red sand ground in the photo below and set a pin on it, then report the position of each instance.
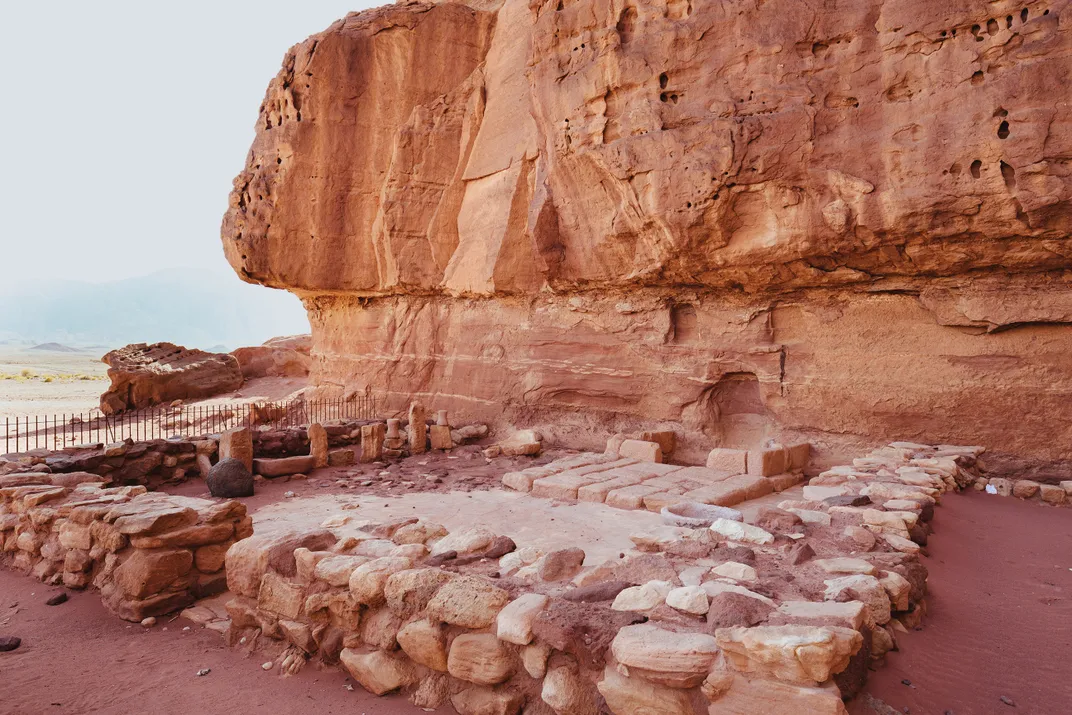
(77, 658)
(999, 620)
(999, 624)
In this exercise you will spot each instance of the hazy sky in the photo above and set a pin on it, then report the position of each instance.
(124, 122)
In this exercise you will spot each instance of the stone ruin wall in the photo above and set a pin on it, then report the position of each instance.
(835, 222)
(147, 553)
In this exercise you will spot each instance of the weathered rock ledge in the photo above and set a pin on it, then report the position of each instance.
(823, 222)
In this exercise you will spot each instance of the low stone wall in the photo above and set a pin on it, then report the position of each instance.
(149, 462)
(780, 615)
(1052, 494)
(148, 554)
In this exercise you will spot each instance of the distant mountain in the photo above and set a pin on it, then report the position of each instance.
(191, 307)
(55, 348)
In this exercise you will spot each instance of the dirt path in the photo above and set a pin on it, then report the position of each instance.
(1000, 615)
(78, 658)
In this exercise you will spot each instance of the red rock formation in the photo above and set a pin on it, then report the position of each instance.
(279, 357)
(144, 375)
(841, 222)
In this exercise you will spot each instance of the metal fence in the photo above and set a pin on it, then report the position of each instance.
(22, 434)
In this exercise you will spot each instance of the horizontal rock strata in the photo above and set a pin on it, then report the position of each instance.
(744, 223)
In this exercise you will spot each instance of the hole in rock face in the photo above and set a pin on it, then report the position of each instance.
(991, 27)
(732, 410)
(976, 168)
(1009, 175)
(1023, 15)
(684, 328)
(663, 79)
(1003, 130)
(955, 169)
(664, 97)
(977, 77)
(1008, 21)
(1001, 112)
(627, 22)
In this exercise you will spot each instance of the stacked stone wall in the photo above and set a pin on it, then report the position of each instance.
(147, 553)
(782, 614)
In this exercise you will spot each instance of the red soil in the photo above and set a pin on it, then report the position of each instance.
(999, 619)
(78, 658)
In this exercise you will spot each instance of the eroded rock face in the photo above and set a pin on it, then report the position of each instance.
(791, 213)
(144, 375)
(279, 357)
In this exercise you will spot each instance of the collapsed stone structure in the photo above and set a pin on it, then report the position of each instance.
(148, 554)
(781, 613)
(825, 222)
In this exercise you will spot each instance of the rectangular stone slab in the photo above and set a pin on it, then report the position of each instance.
(283, 466)
(630, 497)
(732, 491)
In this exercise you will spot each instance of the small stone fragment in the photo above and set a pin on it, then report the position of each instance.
(57, 599)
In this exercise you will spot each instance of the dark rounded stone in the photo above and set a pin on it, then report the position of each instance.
(57, 599)
(500, 546)
(9, 643)
(229, 479)
(440, 559)
(848, 500)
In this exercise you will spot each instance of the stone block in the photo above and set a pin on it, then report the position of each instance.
(797, 456)
(1067, 486)
(637, 695)
(630, 497)
(76, 536)
(666, 439)
(343, 457)
(1052, 494)
(850, 614)
(741, 532)
(372, 437)
(487, 701)
(728, 460)
(1002, 486)
(514, 622)
(1025, 488)
(731, 491)
(803, 655)
(641, 450)
(418, 428)
(283, 466)
(468, 601)
(772, 697)
(318, 445)
(565, 691)
(378, 672)
(425, 643)
(280, 596)
(439, 436)
(480, 658)
(781, 482)
(210, 559)
(367, 581)
(146, 573)
(524, 443)
(237, 444)
(766, 462)
(678, 660)
(248, 560)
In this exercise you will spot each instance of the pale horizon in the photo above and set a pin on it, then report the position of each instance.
(126, 123)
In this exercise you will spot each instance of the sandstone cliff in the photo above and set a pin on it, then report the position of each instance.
(748, 220)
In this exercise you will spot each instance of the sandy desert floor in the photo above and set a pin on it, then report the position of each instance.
(40, 382)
